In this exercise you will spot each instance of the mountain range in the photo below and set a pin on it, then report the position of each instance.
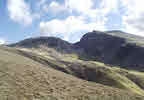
(101, 66)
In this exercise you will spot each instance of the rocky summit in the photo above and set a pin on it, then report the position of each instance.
(114, 48)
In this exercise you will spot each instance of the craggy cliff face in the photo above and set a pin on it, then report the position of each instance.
(112, 49)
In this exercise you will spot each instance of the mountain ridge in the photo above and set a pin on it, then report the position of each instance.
(110, 47)
(91, 65)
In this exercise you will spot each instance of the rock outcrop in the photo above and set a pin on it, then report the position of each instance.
(47, 42)
(113, 50)
(112, 47)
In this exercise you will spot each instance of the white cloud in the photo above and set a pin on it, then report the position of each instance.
(86, 6)
(40, 3)
(36, 16)
(110, 5)
(45, 8)
(54, 7)
(133, 20)
(89, 20)
(70, 25)
(133, 26)
(19, 12)
(52, 27)
(2, 41)
(82, 6)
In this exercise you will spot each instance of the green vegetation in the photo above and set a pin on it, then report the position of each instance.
(88, 70)
(130, 38)
(23, 78)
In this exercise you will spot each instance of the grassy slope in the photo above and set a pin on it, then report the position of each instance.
(129, 37)
(91, 71)
(25, 79)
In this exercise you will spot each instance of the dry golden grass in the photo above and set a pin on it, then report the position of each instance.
(22, 78)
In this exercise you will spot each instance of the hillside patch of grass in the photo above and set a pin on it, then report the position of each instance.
(87, 70)
(25, 79)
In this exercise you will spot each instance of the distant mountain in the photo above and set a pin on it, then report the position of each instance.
(46, 41)
(101, 66)
(114, 48)
(110, 47)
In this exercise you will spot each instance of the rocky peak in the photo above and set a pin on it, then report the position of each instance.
(46, 41)
(113, 49)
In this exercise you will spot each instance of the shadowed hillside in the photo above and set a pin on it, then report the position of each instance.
(52, 42)
(25, 79)
(113, 59)
(87, 70)
(114, 48)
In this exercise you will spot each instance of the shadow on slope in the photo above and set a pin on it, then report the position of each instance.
(25, 79)
(87, 70)
(113, 49)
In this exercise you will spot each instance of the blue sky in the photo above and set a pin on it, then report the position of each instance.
(68, 19)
